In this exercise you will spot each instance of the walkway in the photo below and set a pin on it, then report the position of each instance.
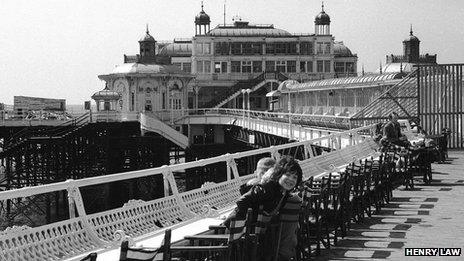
(429, 216)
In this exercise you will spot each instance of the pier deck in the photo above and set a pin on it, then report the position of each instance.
(430, 216)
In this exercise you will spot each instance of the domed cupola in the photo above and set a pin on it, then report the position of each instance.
(322, 18)
(411, 37)
(202, 21)
(147, 37)
(322, 23)
(411, 47)
(147, 48)
(340, 50)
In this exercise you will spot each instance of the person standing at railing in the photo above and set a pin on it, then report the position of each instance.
(262, 166)
(272, 195)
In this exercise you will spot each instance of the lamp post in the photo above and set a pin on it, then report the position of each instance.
(248, 91)
(243, 106)
(289, 115)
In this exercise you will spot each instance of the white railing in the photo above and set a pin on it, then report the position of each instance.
(114, 116)
(82, 232)
(293, 126)
(153, 124)
(329, 120)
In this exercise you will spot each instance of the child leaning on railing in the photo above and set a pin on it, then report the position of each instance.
(272, 195)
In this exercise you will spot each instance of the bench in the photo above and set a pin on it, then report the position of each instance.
(55, 241)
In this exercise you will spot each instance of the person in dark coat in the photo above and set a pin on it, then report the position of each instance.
(392, 132)
(272, 194)
(286, 175)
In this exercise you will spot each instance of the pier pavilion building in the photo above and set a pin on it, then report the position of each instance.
(348, 96)
(232, 57)
(144, 84)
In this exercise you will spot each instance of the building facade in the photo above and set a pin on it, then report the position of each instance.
(229, 58)
(232, 54)
(145, 84)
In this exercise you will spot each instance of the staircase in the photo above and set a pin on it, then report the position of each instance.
(237, 93)
(155, 125)
(235, 90)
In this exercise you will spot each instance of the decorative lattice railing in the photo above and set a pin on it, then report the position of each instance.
(137, 219)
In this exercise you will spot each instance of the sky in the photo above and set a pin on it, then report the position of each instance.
(57, 48)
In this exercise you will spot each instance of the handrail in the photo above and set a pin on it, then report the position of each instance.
(30, 191)
(156, 125)
(27, 132)
(274, 115)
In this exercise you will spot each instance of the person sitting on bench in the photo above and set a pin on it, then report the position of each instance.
(392, 132)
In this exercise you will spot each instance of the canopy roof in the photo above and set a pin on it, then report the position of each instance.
(344, 82)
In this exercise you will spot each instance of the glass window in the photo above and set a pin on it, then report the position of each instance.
(206, 48)
(218, 48)
(319, 48)
(292, 48)
(270, 48)
(327, 48)
(339, 67)
(163, 101)
(291, 66)
(199, 66)
(323, 99)
(224, 67)
(306, 48)
(302, 66)
(350, 67)
(247, 49)
(221, 48)
(280, 48)
(327, 68)
(309, 66)
(199, 48)
(280, 66)
(187, 67)
(320, 66)
(257, 66)
(217, 67)
(257, 48)
(235, 66)
(207, 66)
(246, 67)
(270, 66)
(236, 48)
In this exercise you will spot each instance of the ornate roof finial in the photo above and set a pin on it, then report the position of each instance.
(401, 67)
(148, 32)
(410, 31)
(363, 69)
(380, 68)
(322, 6)
(202, 6)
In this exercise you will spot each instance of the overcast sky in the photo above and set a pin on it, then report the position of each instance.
(56, 48)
